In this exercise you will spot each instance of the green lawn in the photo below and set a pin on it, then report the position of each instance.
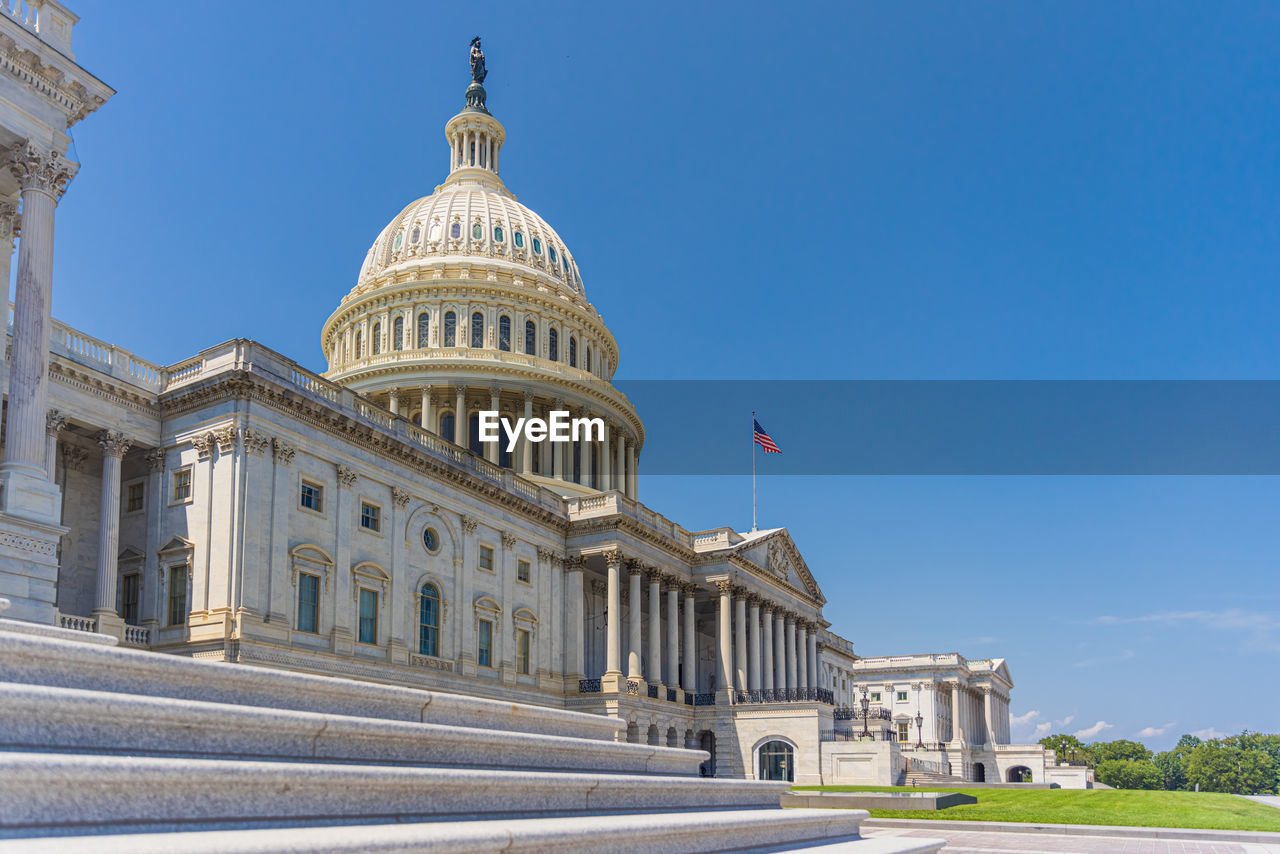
(1091, 806)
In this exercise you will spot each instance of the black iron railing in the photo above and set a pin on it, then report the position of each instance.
(633, 688)
(875, 713)
(671, 695)
(588, 686)
(791, 695)
(653, 691)
(688, 699)
(708, 699)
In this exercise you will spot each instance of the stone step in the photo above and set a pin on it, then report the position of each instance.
(56, 662)
(664, 833)
(50, 793)
(39, 718)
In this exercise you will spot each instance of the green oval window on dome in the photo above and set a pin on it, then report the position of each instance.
(431, 540)
(552, 250)
(497, 234)
(519, 238)
(477, 232)
(398, 241)
(537, 246)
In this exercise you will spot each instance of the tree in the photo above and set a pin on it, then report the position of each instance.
(1122, 749)
(1063, 745)
(1187, 743)
(1129, 774)
(1173, 765)
(1216, 766)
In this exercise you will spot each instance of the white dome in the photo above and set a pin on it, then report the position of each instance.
(472, 218)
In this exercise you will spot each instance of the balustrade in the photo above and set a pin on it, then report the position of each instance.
(588, 686)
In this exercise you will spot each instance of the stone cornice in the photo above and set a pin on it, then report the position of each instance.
(49, 74)
(620, 524)
(244, 385)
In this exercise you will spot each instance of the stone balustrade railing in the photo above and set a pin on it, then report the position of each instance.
(76, 623)
(137, 636)
(50, 21)
(611, 503)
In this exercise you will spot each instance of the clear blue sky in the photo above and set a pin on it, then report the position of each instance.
(761, 191)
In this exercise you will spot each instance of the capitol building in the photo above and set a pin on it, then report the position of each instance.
(238, 508)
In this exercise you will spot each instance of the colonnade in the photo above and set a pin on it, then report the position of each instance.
(974, 719)
(763, 648)
(678, 668)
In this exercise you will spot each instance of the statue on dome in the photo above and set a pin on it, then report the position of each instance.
(478, 71)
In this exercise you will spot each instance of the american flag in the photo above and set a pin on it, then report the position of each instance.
(762, 439)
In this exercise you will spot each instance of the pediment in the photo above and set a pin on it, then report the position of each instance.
(777, 556)
(177, 545)
(129, 554)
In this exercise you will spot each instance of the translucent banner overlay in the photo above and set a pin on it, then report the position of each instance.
(961, 427)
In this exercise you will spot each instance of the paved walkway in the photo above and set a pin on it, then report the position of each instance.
(1269, 800)
(995, 842)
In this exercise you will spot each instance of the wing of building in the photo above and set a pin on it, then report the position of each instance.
(237, 507)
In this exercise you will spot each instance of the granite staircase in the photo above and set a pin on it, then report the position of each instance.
(111, 749)
(930, 779)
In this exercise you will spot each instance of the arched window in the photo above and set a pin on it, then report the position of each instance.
(497, 234)
(417, 232)
(399, 241)
(573, 352)
(553, 345)
(530, 338)
(446, 427)
(552, 251)
(429, 620)
(375, 345)
(519, 238)
(359, 344)
(588, 364)
(477, 329)
(424, 329)
(537, 246)
(450, 329)
(455, 230)
(397, 334)
(433, 233)
(777, 762)
(504, 333)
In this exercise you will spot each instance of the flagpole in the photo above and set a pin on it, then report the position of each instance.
(753, 471)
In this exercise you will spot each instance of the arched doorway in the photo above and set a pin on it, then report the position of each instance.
(979, 772)
(1019, 774)
(707, 741)
(776, 760)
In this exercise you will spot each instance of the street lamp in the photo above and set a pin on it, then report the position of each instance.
(866, 709)
(919, 729)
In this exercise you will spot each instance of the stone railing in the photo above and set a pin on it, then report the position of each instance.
(48, 21)
(615, 503)
(78, 624)
(137, 636)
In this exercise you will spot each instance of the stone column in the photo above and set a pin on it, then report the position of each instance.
(634, 669)
(672, 679)
(724, 663)
(632, 474)
(655, 623)
(812, 657)
(526, 447)
(767, 644)
(557, 450)
(613, 618)
(753, 645)
(986, 709)
(619, 464)
(459, 436)
(792, 684)
(957, 728)
(802, 665)
(393, 401)
(690, 651)
(584, 464)
(114, 446)
(740, 639)
(606, 461)
(779, 650)
(28, 492)
(491, 448)
(55, 421)
(426, 419)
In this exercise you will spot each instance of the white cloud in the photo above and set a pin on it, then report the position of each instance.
(1092, 731)
(1042, 730)
(1151, 731)
(1262, 630)
(1208, 733)
(1068, 719)
(1023, 720)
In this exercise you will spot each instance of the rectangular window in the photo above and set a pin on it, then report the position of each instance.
(875, 696)
(904, 731)
(134, 497)
(522, 651)
(178, 594)
(129, 597)
(308, 602)
(182, 485)
(368, 616)
(484, 647)
(486, 558)
(522, 571)
(902, 696)
(370, 516)
(312, 496)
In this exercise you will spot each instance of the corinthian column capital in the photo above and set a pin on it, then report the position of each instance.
(114, 444)
(40, 169)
